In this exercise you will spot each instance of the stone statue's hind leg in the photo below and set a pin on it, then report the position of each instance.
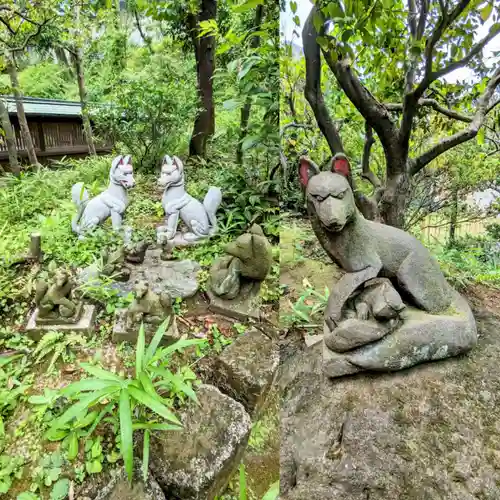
(422, 280)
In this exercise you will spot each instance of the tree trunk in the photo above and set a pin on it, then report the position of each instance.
(204, 125)
(453, 216)
(395, 198)
(245, 112)
(87, 128)
(10, 139)
(23, 122)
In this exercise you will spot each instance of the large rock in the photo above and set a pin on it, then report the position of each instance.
(114, 485)
(179, 278)
(427, 433)
(197, 462)
(246, 369)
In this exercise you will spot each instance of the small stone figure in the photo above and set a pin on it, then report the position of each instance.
(110, 203)
(199, 218)
(56, 301)
(249, 259)
(148, 306)
(379, 331)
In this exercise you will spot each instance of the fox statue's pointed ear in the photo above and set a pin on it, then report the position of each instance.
(340, 165)
(116, 162)
(307, 169)
(178, 163)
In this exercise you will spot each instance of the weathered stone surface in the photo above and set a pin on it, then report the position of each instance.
(352, 333)
(177, 278)
(427, 433)
(421, 337)
(114, 485)
(244, 307)
(197, 462)
(84, 325)
(246, 369)
(124, 333)
(382, 299)
(310, 340)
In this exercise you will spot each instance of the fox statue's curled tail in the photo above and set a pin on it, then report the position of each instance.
(80, 197)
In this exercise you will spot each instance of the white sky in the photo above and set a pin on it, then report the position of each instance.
(304, 7)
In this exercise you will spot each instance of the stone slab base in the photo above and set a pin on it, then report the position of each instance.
(247, 368)
(196, 462)
(85, 325)
(245, 307)
(312, 339)
(123, 334)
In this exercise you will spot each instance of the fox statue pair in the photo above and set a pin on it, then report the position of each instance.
(199, 218)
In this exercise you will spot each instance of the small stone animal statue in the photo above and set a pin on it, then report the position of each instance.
(365, 249)
(110, 203)
(249, 257)
(199, 218)
(147, 306)
(56, 300)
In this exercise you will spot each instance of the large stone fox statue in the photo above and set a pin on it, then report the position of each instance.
(366, 249)
(199, 218)
(110, 203)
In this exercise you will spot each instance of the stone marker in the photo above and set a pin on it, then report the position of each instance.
(197, 462)
(367, 325)
(246, 369)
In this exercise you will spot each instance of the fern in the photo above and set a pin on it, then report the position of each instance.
(57, 343)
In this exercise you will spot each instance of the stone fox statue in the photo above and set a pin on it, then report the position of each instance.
(366, 249)
(110, 203)
(200, 218)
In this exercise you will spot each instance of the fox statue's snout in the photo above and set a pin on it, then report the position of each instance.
(329, 193)
(171, 172)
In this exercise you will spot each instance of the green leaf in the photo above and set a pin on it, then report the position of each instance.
(139, 350)
(60, 490)
(148, 386)
(250, 142)
(87, 420)
(88, 384)
(79, 410)
(73, 446)
(480, 136)
(243, 483)
(273, 492)
(485, 12)
(293, 7)
(56, 434)
(126, 433)
(145, 456)
(96, 449)
(230, 104)
(248, 5)
(346, 35)
(93, 466)
(27, 495)
(100, 373)
(155, 341)
(153, 404)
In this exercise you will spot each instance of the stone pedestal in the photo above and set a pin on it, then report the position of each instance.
(123, 334)
(84, 325)
(246, 369)
(245, 307)
(197, 462)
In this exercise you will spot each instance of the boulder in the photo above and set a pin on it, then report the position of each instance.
(197, 462)
(426, 433)
(246, 369)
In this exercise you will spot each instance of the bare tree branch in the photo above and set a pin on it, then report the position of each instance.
(366, 172)
(312, 91)
(474, 51)
(450, 113)
(464, 135)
